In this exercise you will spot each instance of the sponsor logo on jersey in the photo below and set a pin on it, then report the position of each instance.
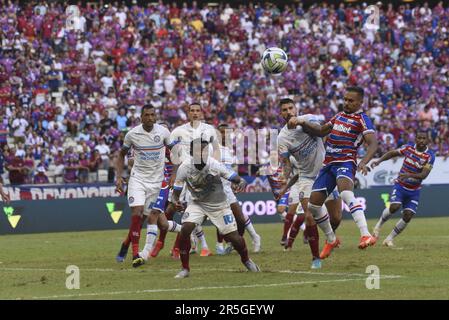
(333, 150)
(342, 128)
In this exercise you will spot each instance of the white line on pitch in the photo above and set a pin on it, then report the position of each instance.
(199, 270)
(110, 293)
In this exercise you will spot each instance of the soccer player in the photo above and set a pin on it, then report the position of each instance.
(202, 175)
(184, 134)
(346, 131)
(243, 221)
(162, 205)
(417, 165)
(148, 141)
(308, 153)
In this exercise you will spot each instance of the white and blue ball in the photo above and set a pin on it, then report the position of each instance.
(274, 60)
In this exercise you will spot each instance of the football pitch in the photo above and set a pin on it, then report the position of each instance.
(34, 267)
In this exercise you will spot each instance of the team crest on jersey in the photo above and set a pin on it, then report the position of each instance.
(131, 199)
(157, 138)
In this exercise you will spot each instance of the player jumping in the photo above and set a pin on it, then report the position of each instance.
(346, 132)
(417, 165)
(308, 153)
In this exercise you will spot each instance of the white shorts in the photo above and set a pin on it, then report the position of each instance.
(230, 196)
(143, 194)
(223, 219)
(301, 189)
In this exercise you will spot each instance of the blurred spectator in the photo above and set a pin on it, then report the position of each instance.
(40, 177)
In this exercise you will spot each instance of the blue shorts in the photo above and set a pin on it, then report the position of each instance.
(328, 175)
(409, 199)
(162, 200)
(284, 200)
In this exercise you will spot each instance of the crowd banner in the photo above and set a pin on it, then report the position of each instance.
(89, 213)
(387, 172)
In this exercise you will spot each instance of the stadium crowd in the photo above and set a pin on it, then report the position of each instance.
(72, 81)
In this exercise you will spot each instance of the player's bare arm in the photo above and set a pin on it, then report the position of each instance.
(284, 189)
(420, 176)
(312, 128)
(371, 140)
(387, 156)
(239, 184)
(286, 167)
(176, 201)
(119, 168)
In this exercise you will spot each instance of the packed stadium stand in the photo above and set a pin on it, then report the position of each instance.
(70, 88)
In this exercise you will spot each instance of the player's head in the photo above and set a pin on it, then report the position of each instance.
(422, 139)
(148, 115)
(288, 109)
(199, 150)
(353, 99)
(195, 113)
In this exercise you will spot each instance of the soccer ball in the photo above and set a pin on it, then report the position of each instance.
(274, 60)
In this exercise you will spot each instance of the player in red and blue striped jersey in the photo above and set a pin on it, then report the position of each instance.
(345, 132)
(417, 165)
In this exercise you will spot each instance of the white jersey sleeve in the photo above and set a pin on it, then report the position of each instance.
(221, 170)
(127, 142)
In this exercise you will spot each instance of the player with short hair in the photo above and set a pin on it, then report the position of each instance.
(184, 134)
(345, 133)
(149, 141)
(303, 152)
(418, 163)
(203, 175)
(243, 221)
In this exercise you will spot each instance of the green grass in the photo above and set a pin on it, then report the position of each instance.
(33, 266)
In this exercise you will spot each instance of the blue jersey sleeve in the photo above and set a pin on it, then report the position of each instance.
(367, 124)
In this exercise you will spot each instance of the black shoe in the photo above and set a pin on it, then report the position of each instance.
(121, 256)
(138, 261)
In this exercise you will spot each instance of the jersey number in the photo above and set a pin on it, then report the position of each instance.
(228, 219)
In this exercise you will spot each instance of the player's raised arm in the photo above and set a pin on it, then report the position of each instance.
(387, 156)
(371, 140)
(311, 127)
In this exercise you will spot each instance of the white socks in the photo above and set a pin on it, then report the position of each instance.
(322, 220)
(199, 233)
(151, 237)
(174, 227)
(400, 226)
(250, 228)
(386, 215)
(356, 211)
